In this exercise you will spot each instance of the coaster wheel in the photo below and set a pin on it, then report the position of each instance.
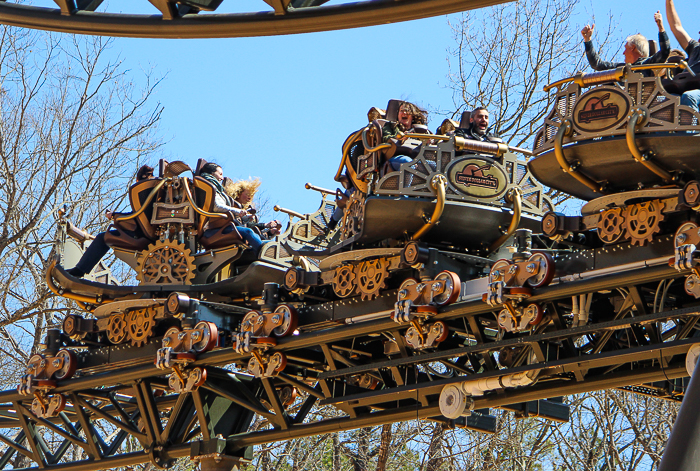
(545, 269)
(210, 336)
(498, 270)
(453, 288)
(445, 331)
(69, 366)
(290, 319)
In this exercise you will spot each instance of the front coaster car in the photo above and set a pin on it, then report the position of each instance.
(418, 301)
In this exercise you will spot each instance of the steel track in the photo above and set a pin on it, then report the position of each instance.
(282, 21)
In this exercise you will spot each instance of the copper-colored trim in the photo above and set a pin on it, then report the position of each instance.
(637, 119)
(325, 191)
(288, 211)
(197, 208)
(79, 298)
(439, 184)
(566, 129)
(516, 196)
(368, 148)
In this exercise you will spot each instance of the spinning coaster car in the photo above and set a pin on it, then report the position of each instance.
(173, 255)
(454, 205)
(627, 146)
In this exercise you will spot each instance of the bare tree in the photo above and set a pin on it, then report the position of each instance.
(73, 128)
(505, 55)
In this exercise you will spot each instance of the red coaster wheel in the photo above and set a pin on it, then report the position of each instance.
(538, 313)
(290, 320)
(453, 288)
(269, 341)
(545, 272)
(34, 365)
(210, 337)
(202, 377)
(445, 331)
(282, 361)
(680, 238)
(70, 364)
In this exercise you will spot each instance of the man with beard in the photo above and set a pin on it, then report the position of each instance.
(478, 129)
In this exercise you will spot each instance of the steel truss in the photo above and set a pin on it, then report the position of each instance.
(118, 416)
(180, 19)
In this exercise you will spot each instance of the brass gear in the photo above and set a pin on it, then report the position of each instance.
(354, 216)
(344, 281)
(117, 329)
(642, 221)
(610, 224)
(139, 326)
(165, 262)
(371, 277)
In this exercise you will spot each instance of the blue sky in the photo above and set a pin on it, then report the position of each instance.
(279, 108)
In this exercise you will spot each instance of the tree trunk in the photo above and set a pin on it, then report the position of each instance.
(383, 455)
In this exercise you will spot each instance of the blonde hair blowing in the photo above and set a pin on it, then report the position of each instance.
(641, 43)
(234, 189)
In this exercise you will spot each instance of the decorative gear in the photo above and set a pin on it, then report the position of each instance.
(371, 277)
(643, 220)
(140, 323)
(166, 262)
(610, 224)
(354, 215)
(344, 281)
(116, 329)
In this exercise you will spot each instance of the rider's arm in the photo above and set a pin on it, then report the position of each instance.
(220, 206)
(663, 52)
(594, 59)
(674, 22)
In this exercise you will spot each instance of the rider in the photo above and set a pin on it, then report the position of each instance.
(478, 129)
(690, 98)
(223, 203)
(409, 115)
(243, 192)
(636, 50)
(98, 248)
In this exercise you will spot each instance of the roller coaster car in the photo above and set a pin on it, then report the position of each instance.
(627, 146)
(454, 205)
(167, 240)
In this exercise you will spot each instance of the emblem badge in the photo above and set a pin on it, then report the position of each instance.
(600, 109)
(478, 177)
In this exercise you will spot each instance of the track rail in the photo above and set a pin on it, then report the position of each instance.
(283, 21)
(632, 346)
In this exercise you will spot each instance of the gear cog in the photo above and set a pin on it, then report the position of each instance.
(610, 228)
(139, 326)
(344, 281)
(166, 262)
(371, 277)
(642, 221)
(354, 216)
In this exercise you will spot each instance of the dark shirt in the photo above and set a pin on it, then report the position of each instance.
(660, 57)
(693, 51)
(468, 133)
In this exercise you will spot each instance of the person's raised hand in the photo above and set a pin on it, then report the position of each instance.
(659, 20)
(587, 32)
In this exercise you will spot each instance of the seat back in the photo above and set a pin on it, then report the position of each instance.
(464, 120)
(138, 193)
(392, 110)
(198, 169)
